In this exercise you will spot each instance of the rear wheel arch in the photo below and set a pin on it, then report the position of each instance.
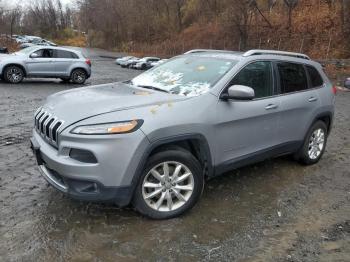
(78, 68)
(326, 118)
(79, 75)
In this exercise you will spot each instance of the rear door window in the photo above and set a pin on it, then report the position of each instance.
(315, 77)
(292, 77)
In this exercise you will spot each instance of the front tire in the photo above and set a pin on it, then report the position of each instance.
(171, 184)
(78, 76)
(13, 74)
(314, 144)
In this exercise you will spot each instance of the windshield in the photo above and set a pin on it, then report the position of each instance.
(188, 76)
(27, 50)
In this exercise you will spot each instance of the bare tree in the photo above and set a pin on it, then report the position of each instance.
(291, 4)
(346, 23)
(14, 17)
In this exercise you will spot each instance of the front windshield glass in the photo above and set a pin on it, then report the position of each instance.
(27, 50)
(188, 76)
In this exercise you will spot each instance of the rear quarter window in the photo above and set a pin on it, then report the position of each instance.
(315, 77)
(65, 54)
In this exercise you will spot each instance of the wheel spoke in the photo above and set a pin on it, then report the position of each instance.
(154, 193)
(176, 172)
(169, 200)
(166, 170)
(179, 195)
(156, 175)
(152, 185)
(183, 177)
(160, 200)
(185, 188)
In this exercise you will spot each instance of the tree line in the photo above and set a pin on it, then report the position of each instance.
(168, 24)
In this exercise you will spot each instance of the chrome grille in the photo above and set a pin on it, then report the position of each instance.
(48, 126)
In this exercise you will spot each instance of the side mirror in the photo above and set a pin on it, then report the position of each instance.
(34, 55)
(239, 92)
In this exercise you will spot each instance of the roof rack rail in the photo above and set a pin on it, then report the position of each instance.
(208, 50)
(273, 52)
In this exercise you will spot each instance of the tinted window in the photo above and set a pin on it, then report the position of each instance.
(65, 54)
(292, 77)
(257, 75)
(315, 78)
(44, 53)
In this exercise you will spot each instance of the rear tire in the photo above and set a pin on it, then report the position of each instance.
(78, 76)
(314, 144)
(173, 194)
(13, 74)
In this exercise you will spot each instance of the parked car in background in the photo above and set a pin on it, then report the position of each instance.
(200, 115)
(3, 50)
(122, 59)
(20, 39)
(347, 83)
(45, 62)
(40, 42)
(145, 63)
(130, 62)
(157, 63)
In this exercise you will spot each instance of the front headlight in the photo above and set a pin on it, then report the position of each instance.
(108, 128)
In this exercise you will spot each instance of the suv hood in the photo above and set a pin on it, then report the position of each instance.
(78, 104)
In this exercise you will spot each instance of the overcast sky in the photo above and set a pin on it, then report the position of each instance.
(13, 3)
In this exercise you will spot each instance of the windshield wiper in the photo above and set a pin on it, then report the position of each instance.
(154, 88)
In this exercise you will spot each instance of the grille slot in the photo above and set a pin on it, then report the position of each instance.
(48, 126)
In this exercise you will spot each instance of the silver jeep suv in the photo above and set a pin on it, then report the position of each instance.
(45, 62)
(153, 141)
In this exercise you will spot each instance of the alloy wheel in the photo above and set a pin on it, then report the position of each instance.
(168, 186)
(316, 143)
(14, 75)
(79, 76)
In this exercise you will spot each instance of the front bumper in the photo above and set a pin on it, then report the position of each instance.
(108, 180)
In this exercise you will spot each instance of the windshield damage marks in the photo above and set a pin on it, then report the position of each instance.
(185, 76)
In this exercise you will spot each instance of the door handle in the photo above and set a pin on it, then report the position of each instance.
(312, 99)
(271, 106)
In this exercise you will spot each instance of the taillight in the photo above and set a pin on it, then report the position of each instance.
(88, 61)
(334, 90)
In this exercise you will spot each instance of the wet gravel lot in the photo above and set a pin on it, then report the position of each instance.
(276, 210)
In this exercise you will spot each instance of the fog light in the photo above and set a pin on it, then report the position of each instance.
(82, 156)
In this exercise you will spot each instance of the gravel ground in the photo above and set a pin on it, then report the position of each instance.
(276, 210)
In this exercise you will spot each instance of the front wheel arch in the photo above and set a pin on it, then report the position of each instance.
(14, 64)
(171, 142)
